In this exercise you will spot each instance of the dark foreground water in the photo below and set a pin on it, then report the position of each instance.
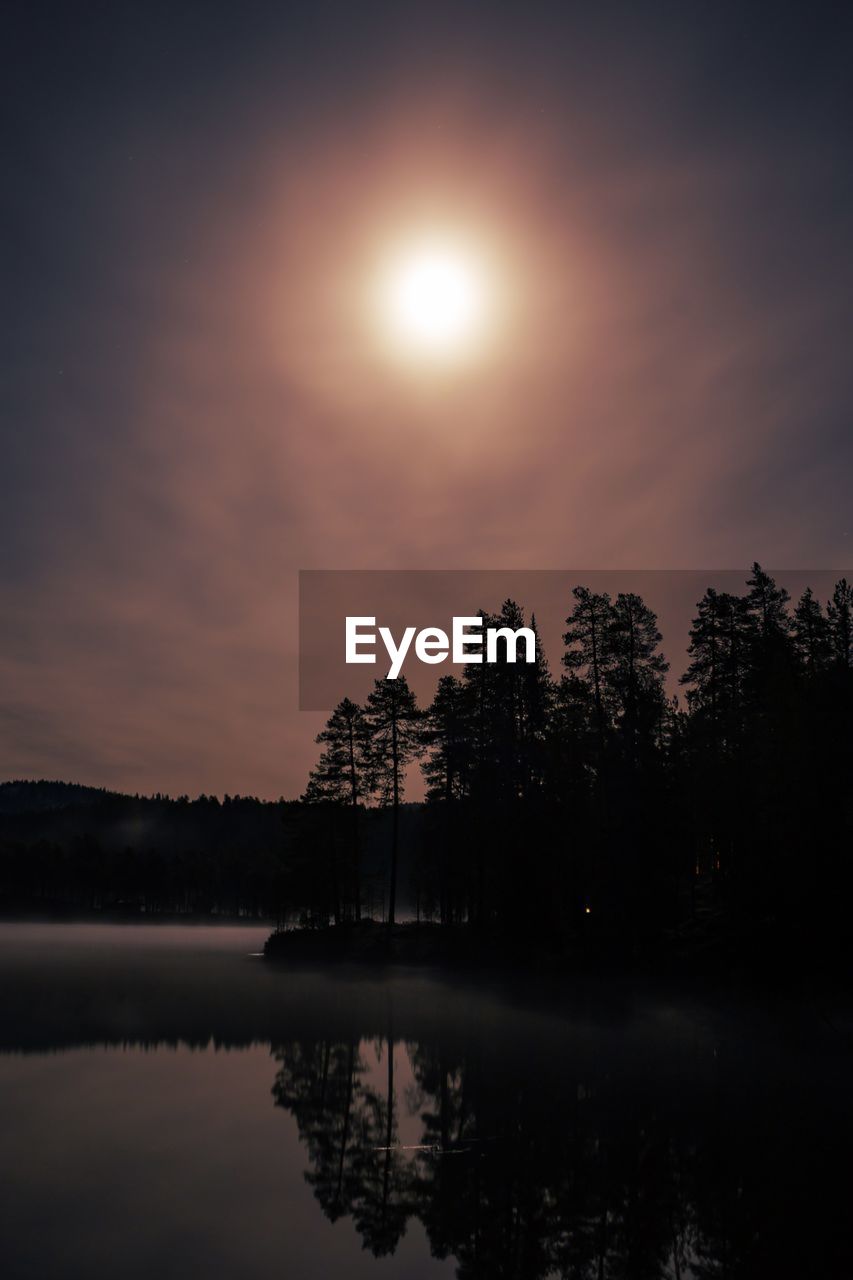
(171, 1107)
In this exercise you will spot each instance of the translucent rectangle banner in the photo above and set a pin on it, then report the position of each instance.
(360, 625)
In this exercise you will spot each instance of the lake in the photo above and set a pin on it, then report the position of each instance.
(171, 1104)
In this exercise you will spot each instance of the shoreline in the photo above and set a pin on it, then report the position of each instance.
(763, 954)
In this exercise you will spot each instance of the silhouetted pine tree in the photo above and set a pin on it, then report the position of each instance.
(635, 668)
(768, 604)
(840, 620)
(721, 641)
(587, 648)
(448, 736)
(393, 722)
(811, 634)
(342, 778)
(773, 654)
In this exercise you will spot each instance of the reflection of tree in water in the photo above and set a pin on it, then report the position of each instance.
(383, 1205)
(320, 1084)
(524, 1175)
(546, 1186)
(349, 1128)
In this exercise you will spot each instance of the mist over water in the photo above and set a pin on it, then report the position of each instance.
(170, 1102)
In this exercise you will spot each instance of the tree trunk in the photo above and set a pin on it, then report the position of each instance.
(354, 855)
(345, 1133)
(389, 1132)
(395, 814)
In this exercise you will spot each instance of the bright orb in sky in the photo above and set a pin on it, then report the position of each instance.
(433, 299)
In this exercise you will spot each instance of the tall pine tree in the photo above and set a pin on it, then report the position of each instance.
(394, 723)
(342, 777)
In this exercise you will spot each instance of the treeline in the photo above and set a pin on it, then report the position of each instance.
(559, 805)
(74, 850)
(77, 850)
(591, 800)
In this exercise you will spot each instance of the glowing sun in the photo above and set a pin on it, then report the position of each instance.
(434, 299)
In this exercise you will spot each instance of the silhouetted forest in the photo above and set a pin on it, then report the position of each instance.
(587, 803)
(593, 801)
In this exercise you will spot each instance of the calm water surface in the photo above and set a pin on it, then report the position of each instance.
(171, 1105)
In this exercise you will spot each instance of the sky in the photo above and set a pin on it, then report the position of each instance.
(194, 401)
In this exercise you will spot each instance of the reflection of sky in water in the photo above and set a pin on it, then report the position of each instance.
(168, 1104)
(141, 1162)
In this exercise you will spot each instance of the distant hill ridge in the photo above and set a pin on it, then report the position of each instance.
(43, 795)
